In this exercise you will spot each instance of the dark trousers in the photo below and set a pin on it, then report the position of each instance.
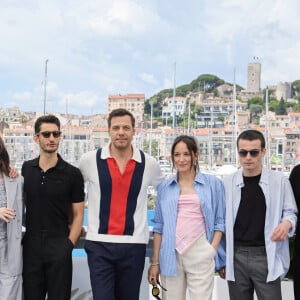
(116, 269)
(47, 267)
(250, 272)
(296, 267)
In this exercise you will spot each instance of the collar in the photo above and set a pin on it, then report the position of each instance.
(59, 165)
(199, 178)
(136, 155)
(263, 178)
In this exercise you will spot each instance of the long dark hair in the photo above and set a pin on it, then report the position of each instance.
(4, 158)
(192, 146)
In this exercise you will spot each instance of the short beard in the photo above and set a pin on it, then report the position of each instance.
(49, 151)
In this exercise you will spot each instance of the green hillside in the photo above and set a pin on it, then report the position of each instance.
(206, 82)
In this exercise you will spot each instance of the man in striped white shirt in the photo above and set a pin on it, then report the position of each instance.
(118, 176)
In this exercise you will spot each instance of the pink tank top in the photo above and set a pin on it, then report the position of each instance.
(190, 225)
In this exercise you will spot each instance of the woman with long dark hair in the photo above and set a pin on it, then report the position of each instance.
(189, 222)
(11, 207)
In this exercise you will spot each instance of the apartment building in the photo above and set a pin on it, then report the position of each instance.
(173, 106)
(215, 111)
(76, 140)
(217, 145)
(292, 146)
(100, 136)
(12, 114)
(133, 102)
(21, 146)
(294, 116)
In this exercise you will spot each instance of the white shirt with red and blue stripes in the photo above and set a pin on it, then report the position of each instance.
(117, 202)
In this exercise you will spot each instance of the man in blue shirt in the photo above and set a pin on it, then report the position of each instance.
(260, 216)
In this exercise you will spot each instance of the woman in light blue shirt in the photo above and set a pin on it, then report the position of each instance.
(188, 227)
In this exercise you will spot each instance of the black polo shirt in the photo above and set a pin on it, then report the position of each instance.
(49, 195)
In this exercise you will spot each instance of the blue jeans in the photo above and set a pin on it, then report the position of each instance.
(116, 269)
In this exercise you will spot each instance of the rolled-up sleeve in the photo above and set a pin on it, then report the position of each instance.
(219, 196)
(158, 218)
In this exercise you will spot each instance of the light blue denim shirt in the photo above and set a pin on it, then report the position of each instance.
(280, 206)
(210, 191)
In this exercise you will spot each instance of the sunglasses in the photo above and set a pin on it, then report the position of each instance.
(156, 291)
(253, 152)
(46, 134)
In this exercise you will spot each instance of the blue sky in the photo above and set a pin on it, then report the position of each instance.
(97, 47)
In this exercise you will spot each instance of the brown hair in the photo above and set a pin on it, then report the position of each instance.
(192, 146)
(4, 158)
(251, 135)
(120, 112)
(45, 119)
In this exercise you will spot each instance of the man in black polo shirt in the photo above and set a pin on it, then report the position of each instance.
(54, 200)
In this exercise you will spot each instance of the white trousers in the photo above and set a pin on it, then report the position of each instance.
(194, 272)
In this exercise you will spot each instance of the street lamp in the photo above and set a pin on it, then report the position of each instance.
(151, 127)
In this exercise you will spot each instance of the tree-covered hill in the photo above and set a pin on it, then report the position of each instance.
(204, 82)
(209, 84)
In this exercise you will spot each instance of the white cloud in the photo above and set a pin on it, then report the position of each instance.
(85, 101)
(25, 96)
(97, 48)
(149, 78)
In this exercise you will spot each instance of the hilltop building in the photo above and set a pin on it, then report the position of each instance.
(283, 90)
(254, 75)
(176, 106)
(225, 90)
(215, 110)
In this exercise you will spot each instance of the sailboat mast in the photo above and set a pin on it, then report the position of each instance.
(174, 98)
(234, 152)
(189, 116)
(45, 85)
(267, 157)
(151, 128)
